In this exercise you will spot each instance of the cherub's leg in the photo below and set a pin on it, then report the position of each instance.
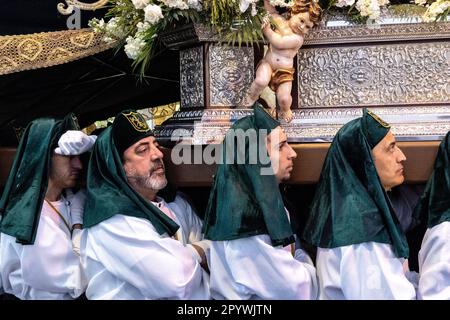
(284, 99)
(262, 79)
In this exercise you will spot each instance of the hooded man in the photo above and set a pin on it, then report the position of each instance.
(434, 206)
(42, 218)
(252, 254)
(362, 249)
(136, 245)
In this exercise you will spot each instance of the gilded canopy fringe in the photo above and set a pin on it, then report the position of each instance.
(46, 49)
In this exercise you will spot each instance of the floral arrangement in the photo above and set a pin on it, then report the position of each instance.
(136, 24)
(369, 11)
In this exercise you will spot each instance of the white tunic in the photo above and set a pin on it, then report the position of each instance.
(126, 258)
(48, 269)
(251, 268)
(363, 271)
(434, 263)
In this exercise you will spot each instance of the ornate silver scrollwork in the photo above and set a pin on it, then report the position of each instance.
(67, 7)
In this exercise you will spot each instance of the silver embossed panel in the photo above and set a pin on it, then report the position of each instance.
(409, 123)
(231, 74)
(320, 125)
(191, 77)
(413, 74)
(396, 30)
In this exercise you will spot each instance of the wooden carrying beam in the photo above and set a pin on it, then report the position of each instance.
(307, 166)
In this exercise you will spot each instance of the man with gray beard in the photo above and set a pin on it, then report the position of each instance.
(135, 244)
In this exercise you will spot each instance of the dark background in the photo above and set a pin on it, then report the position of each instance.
(95, 88)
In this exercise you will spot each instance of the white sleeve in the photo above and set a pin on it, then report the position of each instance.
(434, 263)
(193, 224)
(133, 251)
(50, 264)
(362, 271)
(269, 272)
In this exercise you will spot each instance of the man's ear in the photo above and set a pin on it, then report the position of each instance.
(268, 144)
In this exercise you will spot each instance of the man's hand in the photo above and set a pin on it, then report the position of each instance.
(73, 143)
(201, 251)
(77, 209)
(265, 21)
(76, 240)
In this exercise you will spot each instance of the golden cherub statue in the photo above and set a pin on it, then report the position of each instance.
(276, 69)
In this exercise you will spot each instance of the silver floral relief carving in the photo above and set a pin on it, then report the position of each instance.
(403, 132)
(415, 74)
(374, 75)
(417, 123)
(364, 33)
(396, 114)
(231, 74)
(191, 77)
(408, 123)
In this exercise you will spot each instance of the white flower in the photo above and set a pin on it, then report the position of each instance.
(344, 3)
(383, 3)
(97, 25)
(140, 4)
(254, 11)
(420, 2)
(134, 47)
(282, 3)
(244, 4)
(108, 39)
(195, 4)
(435, 9)
(176, 4)
(142, 26)
(114, 30)
(369, 8)
(153, 13)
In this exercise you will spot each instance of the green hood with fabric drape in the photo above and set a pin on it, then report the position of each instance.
(108, 192)
(350, 205)
(27, 183)
(243, 202)
(434, 204)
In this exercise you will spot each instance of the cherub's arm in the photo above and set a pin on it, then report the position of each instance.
(269, 8)
(277, 18)
(279, 41)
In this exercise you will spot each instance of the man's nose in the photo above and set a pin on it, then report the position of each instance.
(76, 163)
(157, 154)
(292, 154)
(401, 156)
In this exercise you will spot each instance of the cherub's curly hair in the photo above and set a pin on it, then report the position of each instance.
(310, 6)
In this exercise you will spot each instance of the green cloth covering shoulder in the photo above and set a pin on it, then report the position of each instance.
(434, 204)
(27, 182)
(350, 205)
(108, 192)
(243, 202)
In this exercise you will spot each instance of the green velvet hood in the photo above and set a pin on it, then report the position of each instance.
(27, 182)
(350, 205)
(243, 202)
(434, 204)
(108, 192)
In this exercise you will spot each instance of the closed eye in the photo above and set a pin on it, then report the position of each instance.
(392, 146)
(141, 150)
